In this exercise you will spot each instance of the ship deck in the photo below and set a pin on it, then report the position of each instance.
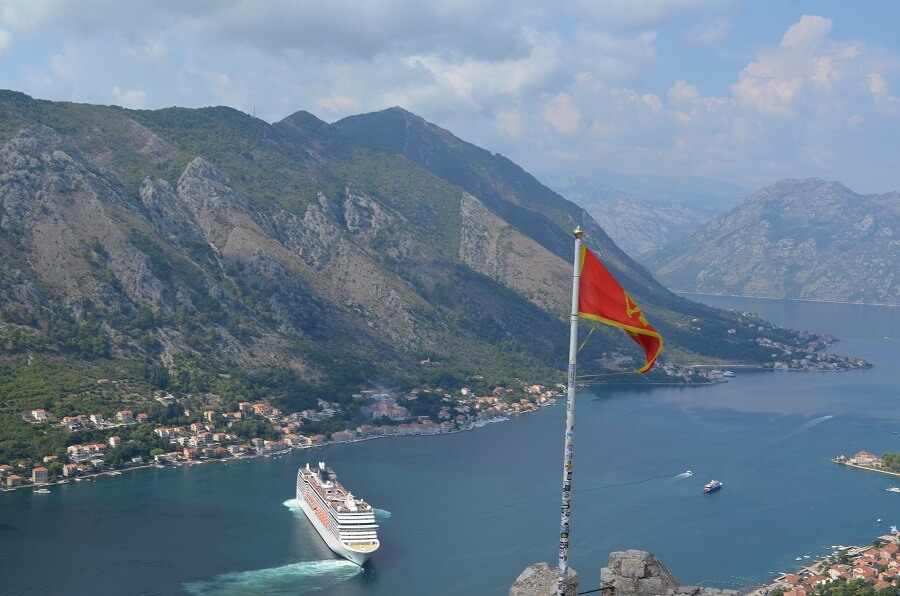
(336, 494)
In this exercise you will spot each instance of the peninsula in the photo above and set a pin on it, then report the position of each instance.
(889, 464)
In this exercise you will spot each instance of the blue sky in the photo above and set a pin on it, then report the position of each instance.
(744, 91)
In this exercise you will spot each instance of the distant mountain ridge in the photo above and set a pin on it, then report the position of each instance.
(806, 239)
(638, 225)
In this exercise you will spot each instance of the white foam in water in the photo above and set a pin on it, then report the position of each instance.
(295, 578)
(381, 514)
(812, 423)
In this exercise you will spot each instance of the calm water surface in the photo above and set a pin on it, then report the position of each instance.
(464, 514)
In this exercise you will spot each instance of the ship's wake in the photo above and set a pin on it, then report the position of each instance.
(381, 514)
(687, 474)
(813, 423)
(295, 578)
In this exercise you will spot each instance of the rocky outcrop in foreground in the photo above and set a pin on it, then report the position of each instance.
(639, 573)
(630, 573)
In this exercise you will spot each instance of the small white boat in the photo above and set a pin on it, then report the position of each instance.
(42, 491)
(894, 489)
(689, 473)
(799, 559)
(878, 520)
(727, 373)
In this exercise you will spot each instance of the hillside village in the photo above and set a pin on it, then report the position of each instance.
(217, 434)
(877, 566)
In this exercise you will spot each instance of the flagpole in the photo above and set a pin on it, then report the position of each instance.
(570, 422)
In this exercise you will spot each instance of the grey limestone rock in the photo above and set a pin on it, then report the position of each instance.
(639, 573)
(541, 580)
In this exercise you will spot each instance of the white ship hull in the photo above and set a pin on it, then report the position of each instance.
(333, 543)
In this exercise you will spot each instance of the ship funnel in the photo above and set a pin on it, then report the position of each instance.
(321, 465)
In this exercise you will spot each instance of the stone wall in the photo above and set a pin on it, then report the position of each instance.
(630, 573)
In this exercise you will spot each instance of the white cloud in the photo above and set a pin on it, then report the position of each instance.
(708, 34)
(338, 103)
(473, 83)
(615, 14)
(562, 114)
(591, 82)
(785, 81)
(809, 33)
(881, 93)
(510, 122)
(150, 50)
(134, 98)
(683, 95)
(5, 40)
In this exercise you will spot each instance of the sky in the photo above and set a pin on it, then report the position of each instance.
(746, 91)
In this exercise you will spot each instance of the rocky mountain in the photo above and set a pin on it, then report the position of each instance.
(806, 239)
(636, 225)
(208, 250)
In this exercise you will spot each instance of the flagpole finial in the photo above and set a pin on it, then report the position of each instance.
(578, 232)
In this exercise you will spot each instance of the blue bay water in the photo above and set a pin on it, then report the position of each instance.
(465, 513)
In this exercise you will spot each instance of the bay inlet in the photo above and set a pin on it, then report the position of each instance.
(465, 513)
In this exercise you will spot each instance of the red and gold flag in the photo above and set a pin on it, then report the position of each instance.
(601, 298)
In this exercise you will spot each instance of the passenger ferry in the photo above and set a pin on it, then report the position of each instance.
(345, 523)
(712, 486)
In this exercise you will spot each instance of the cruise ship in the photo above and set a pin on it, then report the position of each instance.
(345, 523)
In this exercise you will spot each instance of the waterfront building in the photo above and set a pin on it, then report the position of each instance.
(343, 436)
(13, 480)
(867, 459)
(40, 475)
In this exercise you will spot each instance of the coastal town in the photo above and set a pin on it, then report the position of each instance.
(877, 566)
(208, 433)
(213, 436)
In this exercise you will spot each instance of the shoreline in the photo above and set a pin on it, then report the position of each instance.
(119, 471)
(869, 468)
(815, 566)
(683, 292)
